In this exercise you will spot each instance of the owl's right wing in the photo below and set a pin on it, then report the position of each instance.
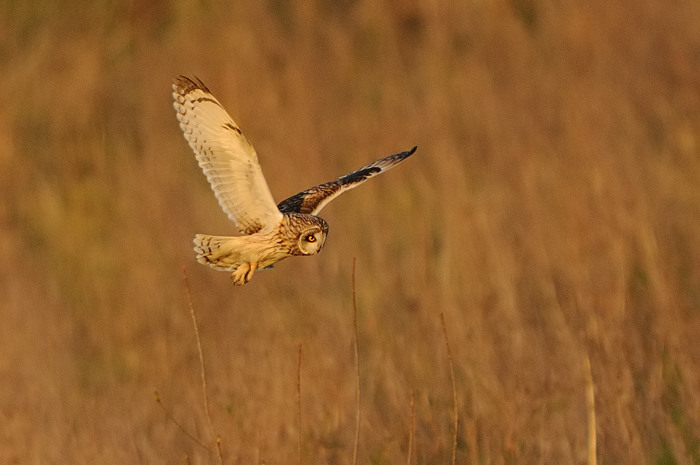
(312, 200)
(227, 158)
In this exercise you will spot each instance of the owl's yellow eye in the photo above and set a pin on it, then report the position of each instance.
(310, 238)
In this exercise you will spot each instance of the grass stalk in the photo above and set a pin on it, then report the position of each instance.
(590, 408)
(205, 396)
(299, 405)
(410, 431)
(357, 367)
(455, 425)
(182, 429)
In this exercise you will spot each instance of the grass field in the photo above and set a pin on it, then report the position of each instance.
(551, 214)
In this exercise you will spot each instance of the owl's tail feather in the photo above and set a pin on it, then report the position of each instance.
(219, 252)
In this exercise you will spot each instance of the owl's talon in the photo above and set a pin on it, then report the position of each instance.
(243, 274)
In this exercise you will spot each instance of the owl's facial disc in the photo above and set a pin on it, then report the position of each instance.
(311, 240)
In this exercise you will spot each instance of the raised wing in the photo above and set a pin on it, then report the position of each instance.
(312, 200)
(226, 157)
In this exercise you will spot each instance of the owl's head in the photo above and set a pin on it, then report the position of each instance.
(311, 239)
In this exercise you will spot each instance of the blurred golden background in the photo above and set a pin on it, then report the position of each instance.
(551, 213)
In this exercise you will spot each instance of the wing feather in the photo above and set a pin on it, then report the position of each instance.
(228, 160)
(312, 200)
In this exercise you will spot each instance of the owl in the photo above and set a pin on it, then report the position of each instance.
(270, 232)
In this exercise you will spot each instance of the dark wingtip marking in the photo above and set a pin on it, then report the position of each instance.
(184, 85)
(405, 154)
(231, 127)
(206, 99)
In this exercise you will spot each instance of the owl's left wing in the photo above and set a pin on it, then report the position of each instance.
(312, 200)
(227, 158)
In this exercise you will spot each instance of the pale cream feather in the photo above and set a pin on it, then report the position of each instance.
(227, 158)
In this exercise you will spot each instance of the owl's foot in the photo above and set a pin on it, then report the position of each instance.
(243, 273)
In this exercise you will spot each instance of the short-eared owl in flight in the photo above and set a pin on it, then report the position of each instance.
(271, 232)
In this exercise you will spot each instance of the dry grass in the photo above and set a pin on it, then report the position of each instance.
(552, 212)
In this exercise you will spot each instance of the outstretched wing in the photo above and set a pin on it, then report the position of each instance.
(226, 157)
(312, 200)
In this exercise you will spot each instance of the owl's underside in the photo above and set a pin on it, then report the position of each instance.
(271, 232)
(244, 254)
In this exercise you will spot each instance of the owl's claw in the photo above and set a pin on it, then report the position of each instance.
(243, 273)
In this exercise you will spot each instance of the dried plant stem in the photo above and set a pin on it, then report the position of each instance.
(299, 405)
(205, 396)
(590, 404)
(357, 367)
(473, 443)
(410, 431)
(177, 423)
(455, 426)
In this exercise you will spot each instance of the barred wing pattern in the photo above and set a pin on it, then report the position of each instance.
(227, 158)
(312, 200)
